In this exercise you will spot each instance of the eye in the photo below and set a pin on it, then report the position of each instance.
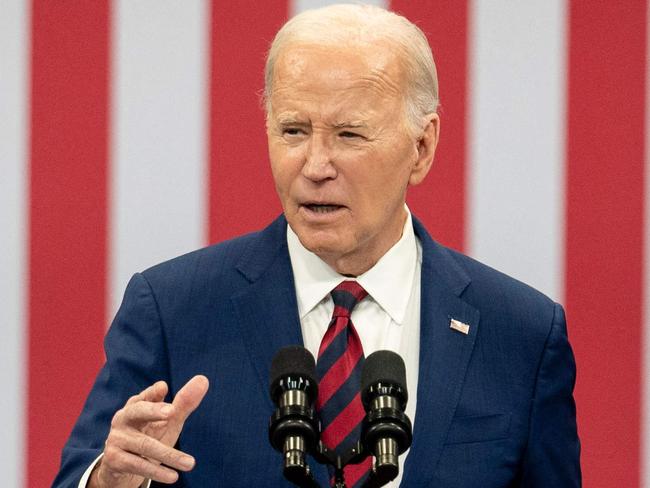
(292, 131)
(350, 135)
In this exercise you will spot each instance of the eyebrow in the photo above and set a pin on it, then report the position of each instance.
(288, 118)
(350, 125)
(291, 118)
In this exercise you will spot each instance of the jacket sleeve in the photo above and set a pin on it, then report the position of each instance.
(136, 357)
(553, 453)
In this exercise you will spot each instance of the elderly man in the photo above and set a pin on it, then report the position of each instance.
(351, 98)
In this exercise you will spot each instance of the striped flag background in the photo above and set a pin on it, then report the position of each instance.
(131, 131)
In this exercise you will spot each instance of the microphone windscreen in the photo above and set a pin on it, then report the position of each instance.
(385, 367)
(295, 361)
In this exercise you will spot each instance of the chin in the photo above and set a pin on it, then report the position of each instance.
(321, 245)
(318, 246)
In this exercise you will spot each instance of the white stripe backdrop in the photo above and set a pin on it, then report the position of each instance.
(517, 147)
(159, 127)
(14, 57)
(297, 6)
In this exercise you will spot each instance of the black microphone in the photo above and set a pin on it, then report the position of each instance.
(386, 431)
(293, 427)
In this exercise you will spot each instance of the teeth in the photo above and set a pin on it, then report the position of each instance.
(323, 208)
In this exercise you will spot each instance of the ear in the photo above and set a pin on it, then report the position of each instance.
(426, 147)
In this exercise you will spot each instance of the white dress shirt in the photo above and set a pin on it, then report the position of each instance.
(389, 318)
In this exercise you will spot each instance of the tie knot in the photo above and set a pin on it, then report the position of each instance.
(346, 296)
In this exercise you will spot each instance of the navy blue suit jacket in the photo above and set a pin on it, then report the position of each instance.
(494, 407)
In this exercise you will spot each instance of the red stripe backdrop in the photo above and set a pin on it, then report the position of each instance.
(440, 200)
(242, 196)
(67, 243)
(605, 174)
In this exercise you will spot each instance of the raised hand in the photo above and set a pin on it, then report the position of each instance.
(139, 444)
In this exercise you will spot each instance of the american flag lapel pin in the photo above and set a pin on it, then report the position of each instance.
(459, 326)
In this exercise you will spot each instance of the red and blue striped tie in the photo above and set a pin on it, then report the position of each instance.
(340, 359)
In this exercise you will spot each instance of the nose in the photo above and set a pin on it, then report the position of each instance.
(318, 160)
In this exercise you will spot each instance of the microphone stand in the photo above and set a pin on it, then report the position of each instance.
(354, 455)
(303, 477)
(299, 429)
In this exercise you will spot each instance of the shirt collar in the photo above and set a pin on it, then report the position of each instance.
(388, 282)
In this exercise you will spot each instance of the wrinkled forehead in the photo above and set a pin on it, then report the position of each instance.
(333, 68)
(380, 55)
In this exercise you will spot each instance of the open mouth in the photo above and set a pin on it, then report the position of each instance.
(323, 209)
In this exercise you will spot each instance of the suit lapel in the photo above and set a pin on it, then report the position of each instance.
(444, 357)
(267, 310)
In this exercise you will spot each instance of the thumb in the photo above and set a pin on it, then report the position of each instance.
(190, 396)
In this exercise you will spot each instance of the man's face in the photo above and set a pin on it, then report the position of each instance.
(340, 151)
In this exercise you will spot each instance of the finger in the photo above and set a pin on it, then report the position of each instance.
(117, 461)
(189, 397)
(153, 449)
(140, 413)
(153, 393)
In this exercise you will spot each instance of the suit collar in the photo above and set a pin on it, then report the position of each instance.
(449, 274)
(271, 244)
(261, 252)
(267, 308)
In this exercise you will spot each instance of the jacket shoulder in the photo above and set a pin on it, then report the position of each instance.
(228, 262)
(496, 284)
(507, 302)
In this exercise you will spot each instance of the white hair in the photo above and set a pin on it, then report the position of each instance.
(346, 24)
